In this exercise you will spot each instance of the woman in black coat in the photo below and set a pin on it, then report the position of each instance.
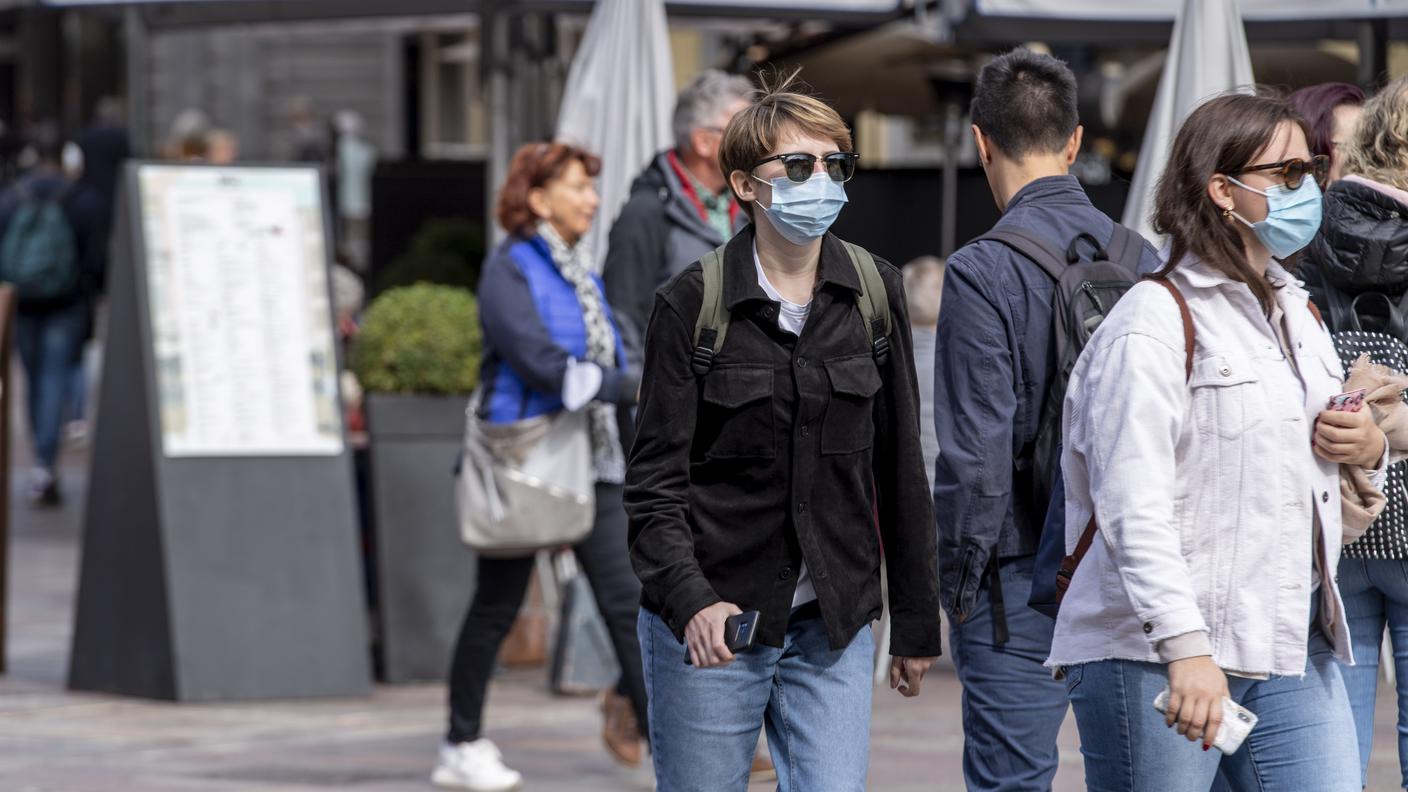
(1357, 272)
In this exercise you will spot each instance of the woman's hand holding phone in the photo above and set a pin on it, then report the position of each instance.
(1196, 690)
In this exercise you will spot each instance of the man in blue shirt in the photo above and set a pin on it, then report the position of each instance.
(992, 363)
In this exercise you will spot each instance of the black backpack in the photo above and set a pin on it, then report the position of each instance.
(1086, 291)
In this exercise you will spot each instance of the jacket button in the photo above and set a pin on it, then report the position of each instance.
(766, 312)
(801, 362)
(785, 574)
(1148, 627)
(806, 430)
(1324, 497)
(802, 507)
(1224, 371)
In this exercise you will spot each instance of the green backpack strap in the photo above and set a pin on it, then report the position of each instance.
(711, 327)
(874, 302)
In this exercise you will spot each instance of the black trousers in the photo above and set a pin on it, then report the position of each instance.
(604, 559)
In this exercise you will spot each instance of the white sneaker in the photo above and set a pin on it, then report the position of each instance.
(477, 766)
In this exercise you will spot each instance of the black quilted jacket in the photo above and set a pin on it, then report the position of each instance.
(1362, 244)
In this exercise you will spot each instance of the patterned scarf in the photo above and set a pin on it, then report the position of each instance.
(574, 262)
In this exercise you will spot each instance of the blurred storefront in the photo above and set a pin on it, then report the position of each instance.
(459, 82)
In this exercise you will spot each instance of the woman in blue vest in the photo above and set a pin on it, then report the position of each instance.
(551, 344)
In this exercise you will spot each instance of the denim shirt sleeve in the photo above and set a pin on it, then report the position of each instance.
(975, 404)
(657, 478)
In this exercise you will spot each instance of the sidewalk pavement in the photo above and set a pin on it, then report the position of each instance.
(52, 740)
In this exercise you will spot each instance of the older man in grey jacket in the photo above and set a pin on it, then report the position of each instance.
(680, 207)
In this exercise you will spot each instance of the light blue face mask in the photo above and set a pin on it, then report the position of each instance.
(802, 212)
(1292, 216)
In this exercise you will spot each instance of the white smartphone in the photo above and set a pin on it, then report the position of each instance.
(1237, 723)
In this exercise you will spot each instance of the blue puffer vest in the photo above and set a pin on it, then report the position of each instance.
(508, 397)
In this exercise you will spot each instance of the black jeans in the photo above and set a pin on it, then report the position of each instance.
(501, 585)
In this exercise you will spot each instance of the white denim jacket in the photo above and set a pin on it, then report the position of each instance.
(1204, 487)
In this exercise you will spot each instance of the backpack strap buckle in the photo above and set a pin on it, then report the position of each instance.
(881, 348)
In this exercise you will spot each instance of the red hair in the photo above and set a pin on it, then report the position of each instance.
(535, 166)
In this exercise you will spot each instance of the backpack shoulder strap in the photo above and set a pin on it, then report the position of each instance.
(711, 327)
(874, 302)
(1126, 247)
(1044, 254)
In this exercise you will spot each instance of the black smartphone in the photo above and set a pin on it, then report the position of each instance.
(739, 633)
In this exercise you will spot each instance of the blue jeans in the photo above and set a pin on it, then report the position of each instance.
(1303, 741)
(1012, 708)
(49, 344)
(815, 703)
(1376, 595)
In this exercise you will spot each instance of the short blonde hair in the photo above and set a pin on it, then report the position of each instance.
(1378, 148)
(755, 130)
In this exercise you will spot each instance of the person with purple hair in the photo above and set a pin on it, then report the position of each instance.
(1332, 110)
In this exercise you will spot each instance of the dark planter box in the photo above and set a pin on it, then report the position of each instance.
(424, 574)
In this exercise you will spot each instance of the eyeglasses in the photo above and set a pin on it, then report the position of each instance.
(1294, 171)
(840, 166)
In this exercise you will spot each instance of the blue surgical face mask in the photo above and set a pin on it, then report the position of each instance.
(1292, 216)
(802, 212)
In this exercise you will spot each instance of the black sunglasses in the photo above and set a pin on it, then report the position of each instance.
(1294, 171)
(840, 166)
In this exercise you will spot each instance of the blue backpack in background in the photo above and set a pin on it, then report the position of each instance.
(39, 253)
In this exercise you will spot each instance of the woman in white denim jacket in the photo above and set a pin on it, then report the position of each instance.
(1216, 489)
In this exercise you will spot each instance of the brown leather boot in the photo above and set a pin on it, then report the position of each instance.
(620, 732)
(762, 771)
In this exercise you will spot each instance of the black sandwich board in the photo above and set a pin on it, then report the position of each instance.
(220, 555)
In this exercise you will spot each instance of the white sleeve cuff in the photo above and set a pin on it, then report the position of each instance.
(1379, 475)
(580, 384)
(1182, 647)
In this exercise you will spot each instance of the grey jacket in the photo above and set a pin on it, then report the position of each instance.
(658, 233)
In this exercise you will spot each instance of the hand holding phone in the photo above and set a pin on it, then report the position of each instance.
(1237, 723)
(714, 635)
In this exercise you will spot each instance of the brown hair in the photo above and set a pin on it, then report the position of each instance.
(1224, 135)
(533, 167)
(784, 106)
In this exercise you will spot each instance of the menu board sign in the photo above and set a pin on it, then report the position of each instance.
(236, 266)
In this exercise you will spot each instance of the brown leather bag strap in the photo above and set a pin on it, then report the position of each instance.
(1315, 312)
(1183, 312)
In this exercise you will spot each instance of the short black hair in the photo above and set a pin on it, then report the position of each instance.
(1025, 103)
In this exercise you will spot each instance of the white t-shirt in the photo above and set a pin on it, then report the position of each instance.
(792, 318)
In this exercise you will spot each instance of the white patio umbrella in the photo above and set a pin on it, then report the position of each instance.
(1207, 56)
(619, 99)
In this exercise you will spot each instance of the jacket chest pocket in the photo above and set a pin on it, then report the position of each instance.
(849, 427)
(736, 418)
(1226, 396)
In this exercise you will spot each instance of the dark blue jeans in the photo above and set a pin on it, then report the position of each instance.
(1012, 708)
(50, 344)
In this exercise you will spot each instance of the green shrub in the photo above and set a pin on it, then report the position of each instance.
(422, 339)
(444, 251)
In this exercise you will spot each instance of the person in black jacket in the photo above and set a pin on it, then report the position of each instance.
(1362, 252)
(755, 481)
(679, 209)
